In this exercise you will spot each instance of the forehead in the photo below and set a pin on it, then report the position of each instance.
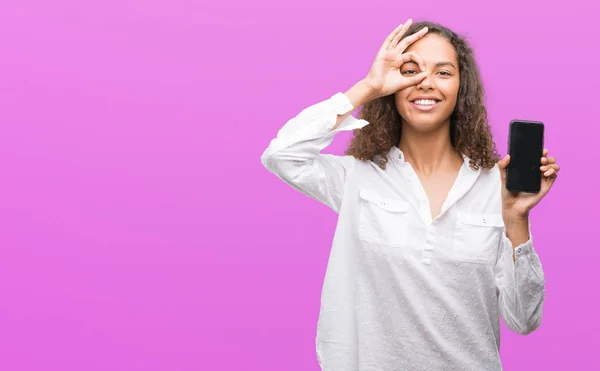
(433, 49)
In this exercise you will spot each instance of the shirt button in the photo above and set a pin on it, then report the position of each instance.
(519, 250)
(382, 203)
(484, 221)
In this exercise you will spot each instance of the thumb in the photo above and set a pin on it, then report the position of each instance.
(502, 164)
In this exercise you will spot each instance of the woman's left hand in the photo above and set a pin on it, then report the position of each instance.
(520, 203)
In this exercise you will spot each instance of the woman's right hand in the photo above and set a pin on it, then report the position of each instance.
(384, 76)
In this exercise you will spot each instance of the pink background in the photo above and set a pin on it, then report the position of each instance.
(138, 228)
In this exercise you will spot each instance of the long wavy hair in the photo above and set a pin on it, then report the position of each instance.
(470, 133)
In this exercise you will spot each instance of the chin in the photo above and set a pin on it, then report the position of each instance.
(426, 120)
(423, 124)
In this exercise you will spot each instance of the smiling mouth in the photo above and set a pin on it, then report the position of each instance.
(425, 104)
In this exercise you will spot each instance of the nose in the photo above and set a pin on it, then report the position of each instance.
(427, 83)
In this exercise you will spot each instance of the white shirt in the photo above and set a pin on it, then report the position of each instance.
(403, 291)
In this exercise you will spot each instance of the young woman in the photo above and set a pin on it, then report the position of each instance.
(430, 248)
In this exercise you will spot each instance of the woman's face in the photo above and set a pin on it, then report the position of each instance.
(429, 104)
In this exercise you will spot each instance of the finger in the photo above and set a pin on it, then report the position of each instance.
(400, 33)
(414, 57)
(503, 163)
(411, 39)
(388, 40)
(545, 168)
(550, 173)
(545, 152)
(551, 166)
(414, 79)
(548, 160)
(407, 41)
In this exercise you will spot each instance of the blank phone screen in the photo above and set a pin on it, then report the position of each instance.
(526, 149)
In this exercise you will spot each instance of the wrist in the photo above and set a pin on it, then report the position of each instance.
(373, 87)
(516, 227)
(512, 216)
(362, 92)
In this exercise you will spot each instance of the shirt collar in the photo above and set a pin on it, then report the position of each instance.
(465, 180)
(397, 156)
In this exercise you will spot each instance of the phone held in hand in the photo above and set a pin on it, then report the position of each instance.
(525, 147)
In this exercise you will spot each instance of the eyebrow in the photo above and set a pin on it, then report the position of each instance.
(438, 64)
(446, 63)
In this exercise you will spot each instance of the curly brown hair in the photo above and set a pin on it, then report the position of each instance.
(470, 133)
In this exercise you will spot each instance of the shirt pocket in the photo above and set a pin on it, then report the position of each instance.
(383, 220)
(477, 236)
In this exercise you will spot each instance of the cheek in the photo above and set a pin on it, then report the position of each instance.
(450, 91)
(400, 100)
(401, 96)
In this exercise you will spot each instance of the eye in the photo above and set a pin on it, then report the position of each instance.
(445, 73)
(409, 72)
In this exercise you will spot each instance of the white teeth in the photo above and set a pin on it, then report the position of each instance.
(425, 102)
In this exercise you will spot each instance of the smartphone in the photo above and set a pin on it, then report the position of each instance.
(525, 147)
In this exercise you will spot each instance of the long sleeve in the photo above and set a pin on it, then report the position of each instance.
(294, 155)
(520, 286)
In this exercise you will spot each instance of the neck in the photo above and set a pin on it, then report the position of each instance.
(430, 152)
